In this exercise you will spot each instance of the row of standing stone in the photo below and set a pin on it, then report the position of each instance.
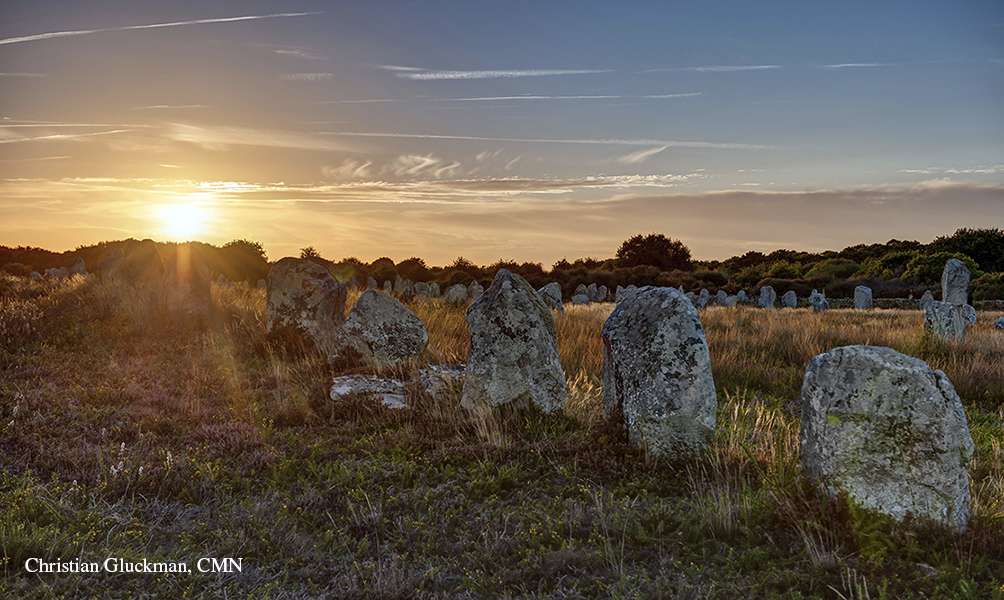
(878, 426)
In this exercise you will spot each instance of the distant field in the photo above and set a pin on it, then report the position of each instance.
(129, 429)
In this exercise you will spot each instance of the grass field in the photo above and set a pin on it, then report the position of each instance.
(130, 427)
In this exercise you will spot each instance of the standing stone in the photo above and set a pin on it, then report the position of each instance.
(434, 289)
(602, 293)
(926, 299)
(767, 297)
(456, 294)
(863, 297)
(380, 332)
(721, 297)
(514, 356)
(742, 296)
(888, 431)
(945, 321)
(404, 287)
(999, 323)
(475, 290)
(551, 295)
(968, 314)
(657, 372)
(955, 282)
(581, 289)
(625, 292)
(789, 299)
(579, 299)
(388, 287)
(305, 300)
(703, 298)
(371, 284)
(818, 301)
(731, 301)
(421, 289)
(593, 292)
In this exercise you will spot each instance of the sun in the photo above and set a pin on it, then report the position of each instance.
(183, 221)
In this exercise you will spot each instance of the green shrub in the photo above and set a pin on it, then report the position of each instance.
(926, 268)
(832, 268)
(890, 265)
(784, 269)
(989, 286)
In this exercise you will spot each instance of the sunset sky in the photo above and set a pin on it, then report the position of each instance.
(524, 130)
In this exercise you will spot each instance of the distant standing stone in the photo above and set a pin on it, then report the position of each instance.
(371, 284)
(551, 295)
(818, 301)
(888, 431)
(863, 297)
(593, 292)
(999, 323)
(474, 290)
(731, 301)
(434, 289)
(579, 299)
(303, 298)
(657, 372)
(945, 321)
(703, 298)
(388, 287)
(721, 297)
(926, 299)
(381, 332)
(456, 294)
(514, 356)
(602, 293)
(581, 289)
(789, 299)
(767, 297)
(955, 282)
(742, 296)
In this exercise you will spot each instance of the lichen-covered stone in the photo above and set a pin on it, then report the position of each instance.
(551, 295)
(789, 299)
(624, 292)
(955, 282)
(999, 323)
(381, 332)
(946, 321)
(703, 298)
(720, 297)
(456, 294)
(863, 297)
(767, 297)
(889, 432)
(579, 299)
(304, 299)
(818, 301)
(513, 357)
(968, 314)
(926, 299)
(657, 372)
(442, 382)
(390, 392)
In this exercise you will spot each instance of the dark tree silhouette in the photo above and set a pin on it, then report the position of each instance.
(655, 250)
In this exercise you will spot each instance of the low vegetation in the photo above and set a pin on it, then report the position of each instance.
(128, 428)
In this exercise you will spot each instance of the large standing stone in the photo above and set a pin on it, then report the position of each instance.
(657, 372)
(946, 321)
(955, 282)
(767, 297)
(888, 431)
(303, 298)
(381, 332)
(789, 299)
(456, 294)
(818, 301)
(514, 356)
(863, 297)
(551, 295)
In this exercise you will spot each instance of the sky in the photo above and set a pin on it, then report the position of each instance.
(530, 131)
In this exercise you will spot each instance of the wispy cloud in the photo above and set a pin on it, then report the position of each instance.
(297, 53)
(77, 32)
(857, 65)
(438, 75)
(36, 158)
(170, 107)
(597, 141)
(512, 163)
(60, 136)
(219, 138)
(641, 155)
(525, 97)
(977, 170)
(306, 76)
(715, 68)
(348, 169)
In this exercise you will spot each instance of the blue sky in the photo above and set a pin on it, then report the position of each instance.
(522, 130)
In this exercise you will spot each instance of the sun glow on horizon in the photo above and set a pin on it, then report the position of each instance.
(183, 221)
